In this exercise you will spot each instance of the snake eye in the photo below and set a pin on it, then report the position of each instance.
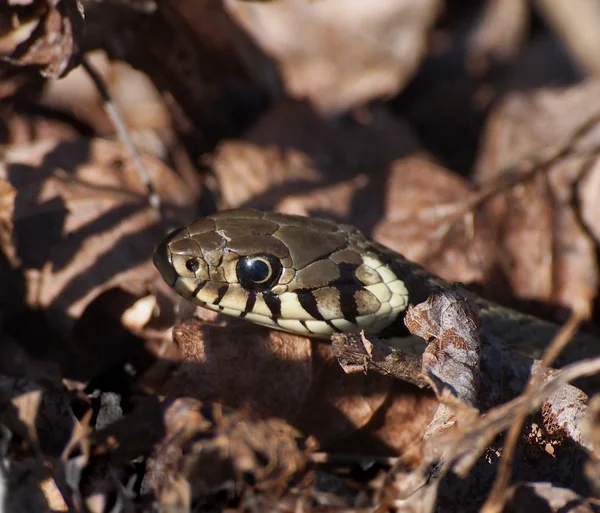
(258, 272)
(192, 265)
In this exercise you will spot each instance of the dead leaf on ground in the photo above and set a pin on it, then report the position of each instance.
(297, 379)
(527, 497)
(429, 219)
(241, 364)
(217, 80)
(210, 449)
(82, 225)
(296, 161)
(499, 34)
(49, 39)
(448, 321)
(550, 139)
(341, 53)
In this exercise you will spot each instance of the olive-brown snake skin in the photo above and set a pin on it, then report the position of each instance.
(314, 277)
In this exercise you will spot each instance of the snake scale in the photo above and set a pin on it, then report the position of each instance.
(316, 277)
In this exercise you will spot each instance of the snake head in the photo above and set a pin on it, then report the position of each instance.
(297, 274)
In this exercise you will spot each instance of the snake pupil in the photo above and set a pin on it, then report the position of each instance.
(192, 265)
(258, 272)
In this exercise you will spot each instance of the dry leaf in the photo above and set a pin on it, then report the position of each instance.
(341, 53)
(448, 321)
(588, 194)
(241, 364)
(429, 219)
(527, 497)
(215, 76)
(499, 34)
(81, 222)
(318, 397)
(548, 140)
(295, 161)
(210, 449)
(49, 40)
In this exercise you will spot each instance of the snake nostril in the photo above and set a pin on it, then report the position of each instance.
(162, 261)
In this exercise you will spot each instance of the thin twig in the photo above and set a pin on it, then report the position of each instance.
(114, 114)
(497, 497)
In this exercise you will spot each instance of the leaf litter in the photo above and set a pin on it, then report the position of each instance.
(115, 396)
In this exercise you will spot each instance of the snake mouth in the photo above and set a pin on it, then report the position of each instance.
(163, 261)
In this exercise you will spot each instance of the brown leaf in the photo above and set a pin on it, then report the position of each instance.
(297, 379)
(209, 449)
(448, 321)
(296, 161)
(49, 41)
(7, 203)
(499, 34)
(28, 491)
(356, 353)
(139, 102)
(216, 77)
(43, 417)
(527, 497)
(542, 153)
(82, 225)
(429, 219)
(576, 28)
(339, 404)
(241, 364)
(341, 53)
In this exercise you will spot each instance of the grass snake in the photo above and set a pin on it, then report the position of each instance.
(316, 277)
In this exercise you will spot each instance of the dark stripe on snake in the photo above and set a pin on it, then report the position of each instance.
(249, 304)
(348, 304)
(347, 275)
(199, 288)
(309, 302)
(221, 291)
(274, 304)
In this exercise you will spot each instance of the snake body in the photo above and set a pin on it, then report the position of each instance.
(313, 277)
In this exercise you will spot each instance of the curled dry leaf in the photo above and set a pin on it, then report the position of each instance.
(41, 416)
(341, 53)
(241, 364)
(451, 361)
(462, 448)
(207, 450)
(356, 353)
(429, 220)
(49, 39)
(448, 321)
(544, 142)
(294, 378)
(296, 161)
(82, 225)
(527, 497)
